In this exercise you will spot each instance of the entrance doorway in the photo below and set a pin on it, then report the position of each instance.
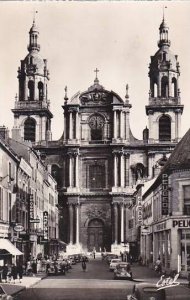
(95, 235)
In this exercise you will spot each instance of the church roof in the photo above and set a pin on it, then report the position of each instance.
(180, 157)
(94, 94)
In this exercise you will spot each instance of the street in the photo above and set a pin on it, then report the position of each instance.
(95, 284)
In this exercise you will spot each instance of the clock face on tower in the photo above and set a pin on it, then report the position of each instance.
(96, 122)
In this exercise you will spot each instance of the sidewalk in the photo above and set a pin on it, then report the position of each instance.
(27, 281)
(144, 273)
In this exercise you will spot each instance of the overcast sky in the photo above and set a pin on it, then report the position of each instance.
(117, 37)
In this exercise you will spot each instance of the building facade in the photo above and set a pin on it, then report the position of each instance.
(98, 162)
(166, 213)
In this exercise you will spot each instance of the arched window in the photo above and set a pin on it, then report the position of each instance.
(56, 173)
(164, 128)
(164, 56)
(40, 90)
(96, 123)
(30, 130)
(164, 87)
(155, 93)
(31, 90)
(31, 60)
(174, 87)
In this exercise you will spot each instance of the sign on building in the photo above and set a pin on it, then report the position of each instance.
(45, 226)
(31, 207)
(165, 202)
(139, 211)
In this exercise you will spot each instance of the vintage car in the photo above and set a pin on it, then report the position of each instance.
(123, 271)
(146, 291)
(4, 295)
(114, 263)
(55, 268)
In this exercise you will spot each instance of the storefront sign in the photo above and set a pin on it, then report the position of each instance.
(181, 223)
(164, 194)
(160, 227)
(45, 225)
(18, 228)
(31, 207)
(139, 210)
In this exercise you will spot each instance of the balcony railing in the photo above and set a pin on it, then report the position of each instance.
(164, 101)
(31, 104)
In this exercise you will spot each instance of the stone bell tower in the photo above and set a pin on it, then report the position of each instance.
(164, 109)
(32, 116)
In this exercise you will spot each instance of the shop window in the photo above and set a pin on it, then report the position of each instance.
(164, 128)
(30, 130)
(186, 190)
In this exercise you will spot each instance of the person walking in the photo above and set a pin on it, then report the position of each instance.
(20, 272)
(5, 272)
(14, 272)
(84, 265)
(34, 268)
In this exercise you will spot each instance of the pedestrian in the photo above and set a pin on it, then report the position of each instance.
(20, 272)
(84, 265)
(5, 272)
(158, 266)
(94, 252)
(28, 268)
(34, 268)
(14, 272)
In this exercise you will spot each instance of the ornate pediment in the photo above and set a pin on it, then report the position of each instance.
(95, 97)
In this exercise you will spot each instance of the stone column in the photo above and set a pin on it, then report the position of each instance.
(106, 130)
(121, 125)
(126, 161)
(70, 125)
(115, 223)
(77, 126)
(115, 170)
(122, 170)
(70, 170)
(77, 223)
(71, 222)
(65, 126)
(76, 170)
(115, 124)
(122, 222)
(26, 90)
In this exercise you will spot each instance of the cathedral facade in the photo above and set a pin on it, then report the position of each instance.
(98, 162)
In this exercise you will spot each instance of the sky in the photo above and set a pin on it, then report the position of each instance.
(76, 37)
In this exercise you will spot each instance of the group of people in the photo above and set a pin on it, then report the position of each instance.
(11, 272)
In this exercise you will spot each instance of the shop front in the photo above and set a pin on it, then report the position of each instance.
(171, 243)
(162, 247)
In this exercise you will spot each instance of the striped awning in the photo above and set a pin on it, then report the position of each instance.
(5, 244)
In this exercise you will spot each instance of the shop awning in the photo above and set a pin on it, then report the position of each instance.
(8, 246)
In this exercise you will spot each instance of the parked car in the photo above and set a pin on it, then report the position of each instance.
(114, 263)
(110, 256)
(72, 259)
(146, 291)
(4, 295)
(123, 271)
(56, 268)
